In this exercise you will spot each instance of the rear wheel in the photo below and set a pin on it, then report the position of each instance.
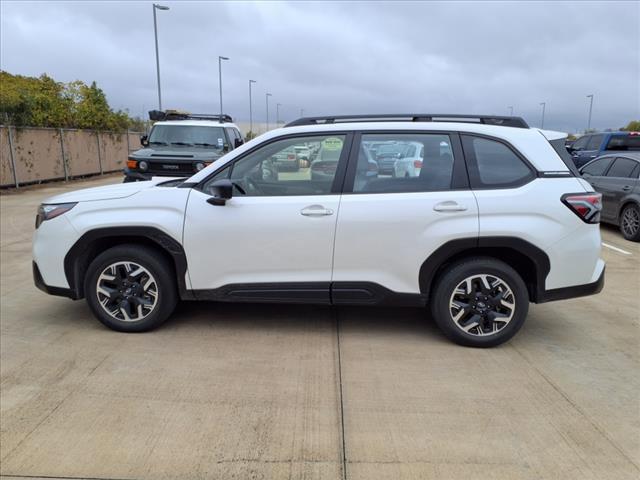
(480, 302)
(130, 288)
(630, 222)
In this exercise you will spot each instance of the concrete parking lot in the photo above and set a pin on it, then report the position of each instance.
(252, 391)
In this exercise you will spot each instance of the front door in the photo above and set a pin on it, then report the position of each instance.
(273, 240)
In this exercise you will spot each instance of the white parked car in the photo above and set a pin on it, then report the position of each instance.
(476, 236)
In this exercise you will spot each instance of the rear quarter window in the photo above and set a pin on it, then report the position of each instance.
(494, 164)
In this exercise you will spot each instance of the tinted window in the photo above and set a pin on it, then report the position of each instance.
(403, 162)
(621, 168)
(275, 169)
(495, 163)
(580, 143)
(597, 167)
(624, 142)
(594, 142)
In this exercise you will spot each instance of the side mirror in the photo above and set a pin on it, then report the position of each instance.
(237, 142)
(222, 191)
(144, 140)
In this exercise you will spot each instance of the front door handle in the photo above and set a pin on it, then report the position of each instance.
(316, 211)
(626, 188)
(449, 206)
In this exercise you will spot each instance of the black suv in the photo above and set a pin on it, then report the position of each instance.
(180, 144)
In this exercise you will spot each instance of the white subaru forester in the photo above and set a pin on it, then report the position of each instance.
(496, 218)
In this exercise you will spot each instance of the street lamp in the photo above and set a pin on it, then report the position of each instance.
(302, 112)
(590, 109)
(155, 32)
(267, 95)
(544, 106)
(511, 108)
(251, 109)
(220, 78)
(278, 105)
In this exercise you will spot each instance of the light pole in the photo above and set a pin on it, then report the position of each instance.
(511, 108)
(544, 106)
(590, 109)
(155, 32)
(251, 109)
(267, 95)
(278, 105)
(220, 78)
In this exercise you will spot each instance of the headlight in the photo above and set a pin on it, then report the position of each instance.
(142, 165)
(47, 212)
(200, 166)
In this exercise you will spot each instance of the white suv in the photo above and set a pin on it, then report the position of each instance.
(501, 221)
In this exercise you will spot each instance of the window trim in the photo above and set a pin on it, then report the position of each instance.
(472, 164)
(338, 179)
(459, 176)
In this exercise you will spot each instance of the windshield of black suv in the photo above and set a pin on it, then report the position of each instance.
(187, 135)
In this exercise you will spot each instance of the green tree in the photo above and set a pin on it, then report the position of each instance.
(632, 126)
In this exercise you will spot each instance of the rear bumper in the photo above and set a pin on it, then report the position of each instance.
(58, 291)
(573, 291)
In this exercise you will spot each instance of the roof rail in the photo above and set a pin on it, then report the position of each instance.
(159, 115)
(517, 122)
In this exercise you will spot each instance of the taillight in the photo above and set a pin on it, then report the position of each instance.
(587, 206)
(417, 163)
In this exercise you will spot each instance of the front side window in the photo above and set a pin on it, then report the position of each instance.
(494, 163)
(597, 167)
(276, 169)
(622, 168)
(403, 162)
(595, 142)
(580, 143)
(187, 135)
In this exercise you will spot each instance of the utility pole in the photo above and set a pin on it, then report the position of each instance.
(220, 79)
(155, 32)
(590, 109)
(544, 106)
(251, 109)
(267, 97)
(511, 113)
(278, 105)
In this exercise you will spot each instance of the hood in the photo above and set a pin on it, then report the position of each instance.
(177, 153)
(107, 192)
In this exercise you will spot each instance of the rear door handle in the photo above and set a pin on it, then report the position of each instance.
(449, 206)
(316, 211)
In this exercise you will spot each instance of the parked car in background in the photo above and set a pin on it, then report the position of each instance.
(590, 146)
(410, 161)
(616, 177)
(181, 144)
(386, 156)
(325, 164)
(287, 160)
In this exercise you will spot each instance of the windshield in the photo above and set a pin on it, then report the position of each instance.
(188, 135)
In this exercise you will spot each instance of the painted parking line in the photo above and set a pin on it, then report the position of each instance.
(616, 249)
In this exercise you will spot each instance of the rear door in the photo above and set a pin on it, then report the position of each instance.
(387, 227)
(616, 184)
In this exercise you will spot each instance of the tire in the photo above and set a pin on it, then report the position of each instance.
(149, 297)
(451, 293)
(128, 179)
(630, 222)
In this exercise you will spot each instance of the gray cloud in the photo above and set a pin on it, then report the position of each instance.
(343, 57)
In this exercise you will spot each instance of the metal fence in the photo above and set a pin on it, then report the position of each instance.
(33, 155)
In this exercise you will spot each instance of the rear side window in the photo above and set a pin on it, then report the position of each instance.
(493, 164)
(597, 167)
(621, 168)
(561, 150)
(624, 142)
(594, 142)
(580, 143)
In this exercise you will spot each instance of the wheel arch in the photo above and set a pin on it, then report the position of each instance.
(626, 202)
(93, 242)
(529, 261)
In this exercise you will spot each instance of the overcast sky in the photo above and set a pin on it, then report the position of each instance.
(339, 57)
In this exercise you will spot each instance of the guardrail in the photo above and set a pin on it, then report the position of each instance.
(32, 155)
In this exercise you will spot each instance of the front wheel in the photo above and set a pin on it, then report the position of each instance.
(630, 222)
(130, 288)
(480, 302)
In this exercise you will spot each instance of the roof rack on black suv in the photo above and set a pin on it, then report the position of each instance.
(517, 122)
(159, 115)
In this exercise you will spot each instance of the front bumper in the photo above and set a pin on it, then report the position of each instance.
(573, 291)
(58, 291)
